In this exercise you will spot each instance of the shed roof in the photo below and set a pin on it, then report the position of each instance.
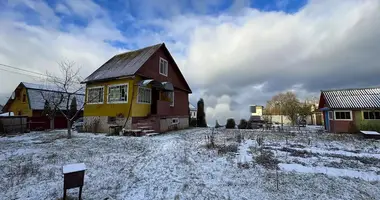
(192, 107)
(359, 98)
(37, 102)
(36, 93)
(124, 64)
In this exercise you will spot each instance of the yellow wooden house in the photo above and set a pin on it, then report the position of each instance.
(141, 89)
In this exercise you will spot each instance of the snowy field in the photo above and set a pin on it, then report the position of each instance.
(186, 164)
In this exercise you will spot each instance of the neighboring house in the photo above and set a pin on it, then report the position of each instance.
(256, 110)
(138, 89)
(316, 117)
(28, 100)
(1, 109)
(347, 107)
(193, 111)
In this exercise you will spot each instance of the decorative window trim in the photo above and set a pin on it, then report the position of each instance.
(95, 87)
(350, 111)
(116, 85)
(166, 69)
(368, 114)
(138, 96)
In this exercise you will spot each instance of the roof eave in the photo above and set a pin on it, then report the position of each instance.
(108, 79)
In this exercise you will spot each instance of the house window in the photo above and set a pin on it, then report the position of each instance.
(95, 95)
(144, 96)
(175, 121)
(163, 67)
(371, 114)
(118, 93)
(24, 98)
(343, 115)
(331, 114)
(171, 97)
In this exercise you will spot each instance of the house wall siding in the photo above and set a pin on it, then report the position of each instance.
(105, 109)
(139, 109)
(151, 70)
(343, 126)
(17, 105)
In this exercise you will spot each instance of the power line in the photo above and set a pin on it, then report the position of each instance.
(23, 70)
(20, 73)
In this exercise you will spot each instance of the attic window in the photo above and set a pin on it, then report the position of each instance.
(24, 98)
(163, 67)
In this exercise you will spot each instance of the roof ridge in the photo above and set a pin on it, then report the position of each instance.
(347, 89)
(138, 49)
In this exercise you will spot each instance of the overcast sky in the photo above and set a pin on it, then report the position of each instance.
(233, 53)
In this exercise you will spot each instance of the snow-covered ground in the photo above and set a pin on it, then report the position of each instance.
(182, 165)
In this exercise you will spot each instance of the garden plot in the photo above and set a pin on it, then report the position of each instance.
(330, 154)
(189, 164)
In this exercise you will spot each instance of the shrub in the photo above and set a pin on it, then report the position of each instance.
(369, 125)
(193, 122)
(230, 123)
(243, 124)
(267, 159)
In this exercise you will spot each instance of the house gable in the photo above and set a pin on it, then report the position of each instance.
(19, 102)
(150, 69)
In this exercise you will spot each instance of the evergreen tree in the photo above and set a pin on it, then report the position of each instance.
(201, 115)
(47, 109)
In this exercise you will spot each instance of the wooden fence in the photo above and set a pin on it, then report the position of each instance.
(13, 124)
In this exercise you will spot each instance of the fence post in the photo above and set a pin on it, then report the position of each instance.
(21, 124)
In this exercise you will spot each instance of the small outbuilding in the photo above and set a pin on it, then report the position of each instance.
(345, 109)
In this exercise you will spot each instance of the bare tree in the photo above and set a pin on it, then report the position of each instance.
(67, 85)
(285, 104)
(305, 110)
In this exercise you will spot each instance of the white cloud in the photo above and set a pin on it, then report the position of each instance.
(61, 8)
(327, 44)
(39, 48)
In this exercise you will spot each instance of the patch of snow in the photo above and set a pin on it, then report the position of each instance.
(73, 168)
(370, 132)
(244, 152)
(339, 152)
(7, 114)
(368, 176)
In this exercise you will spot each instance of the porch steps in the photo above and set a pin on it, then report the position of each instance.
(144, 127)
(151, 134)
(148, 131)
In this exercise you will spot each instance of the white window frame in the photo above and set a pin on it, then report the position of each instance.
(175, 121)
(172, 102)
(350, 111)
(116, 85)
(331, 115)
(166, 67)
(88, 92)
(138, 95)
(368, 114)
